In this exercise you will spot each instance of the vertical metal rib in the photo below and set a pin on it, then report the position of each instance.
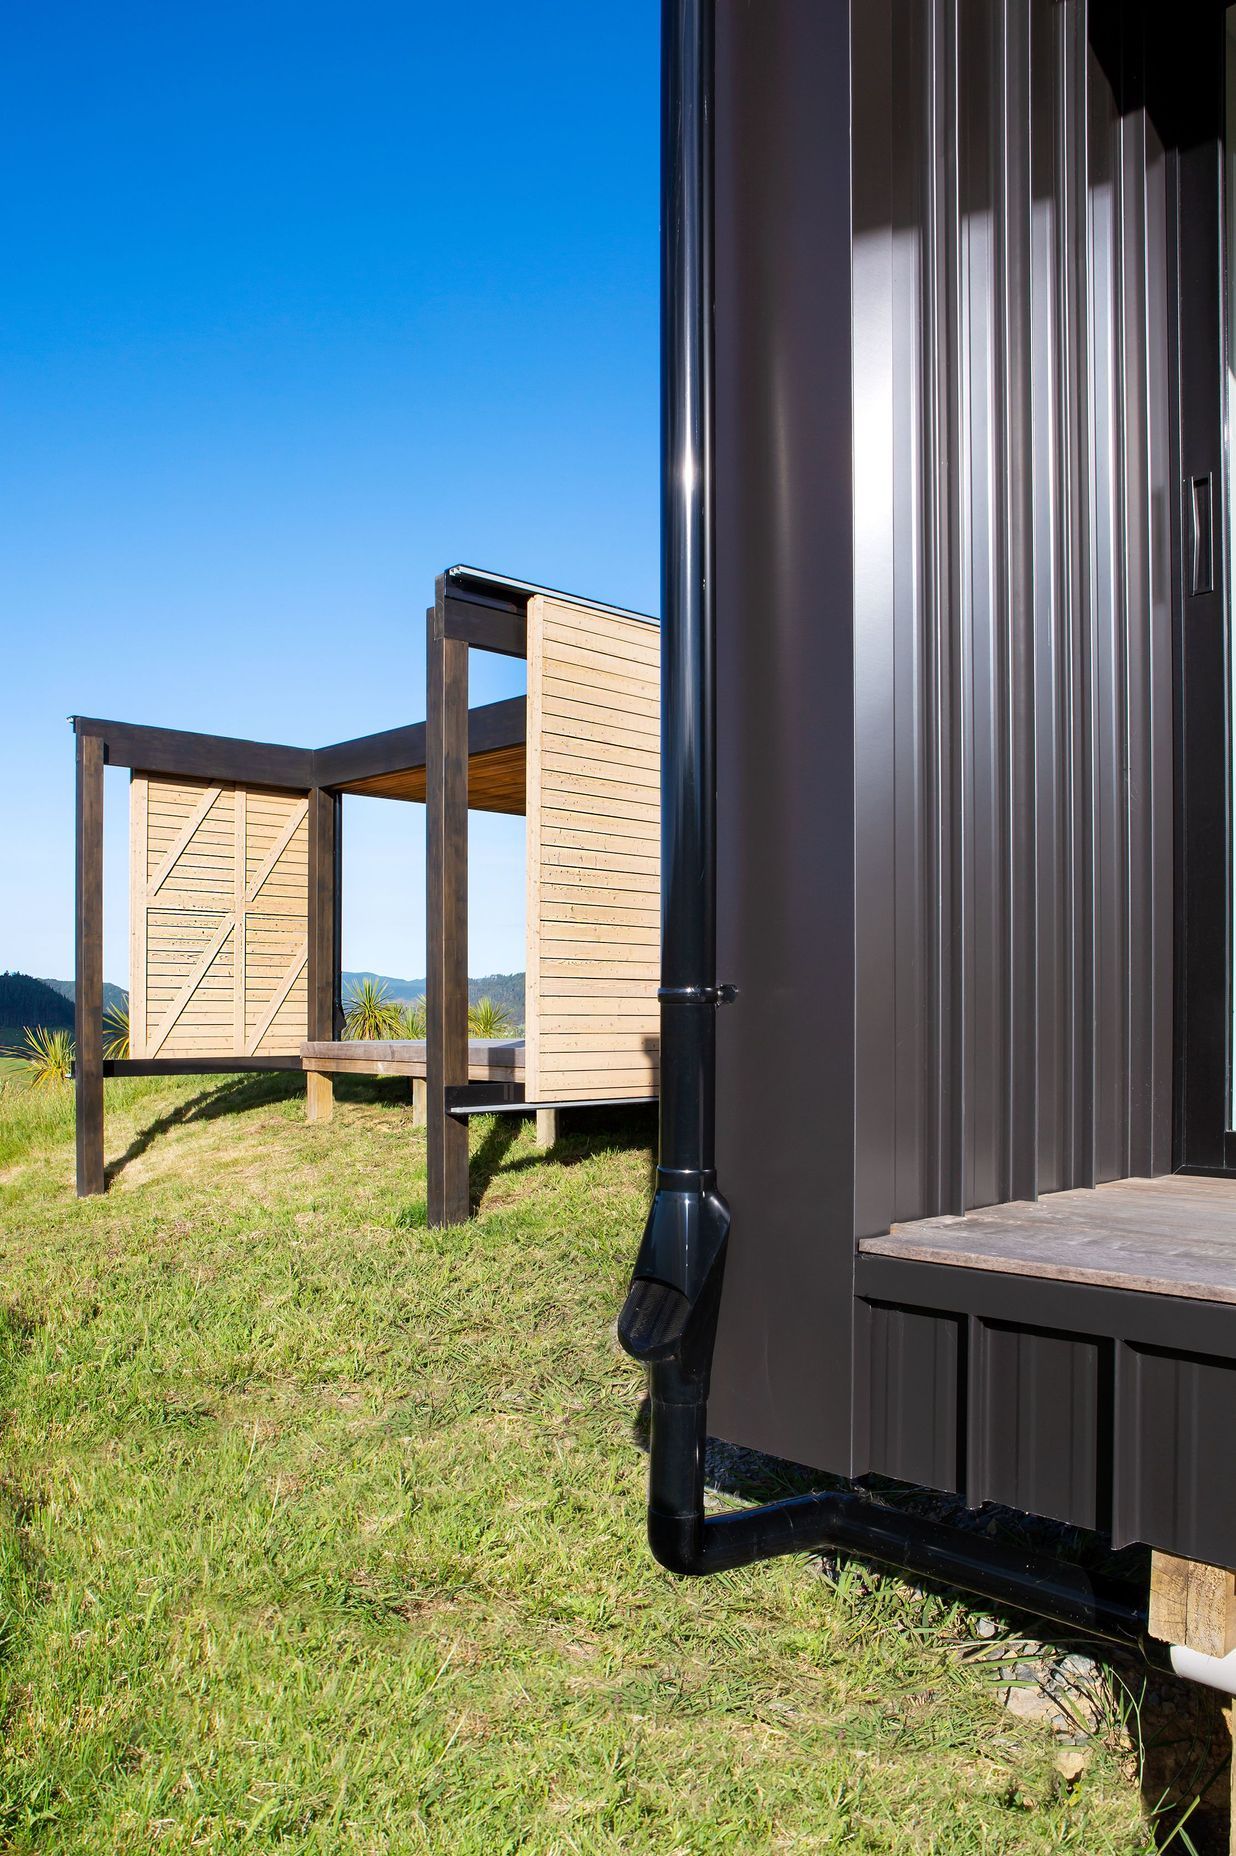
(1021, 805)
(1077, 625)
(957, 1177)
(1082, 617)
(1067, 465)
(937, 586)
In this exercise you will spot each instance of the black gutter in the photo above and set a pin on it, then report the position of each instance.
(669, 1320)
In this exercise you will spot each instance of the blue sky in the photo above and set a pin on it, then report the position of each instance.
(302, 304)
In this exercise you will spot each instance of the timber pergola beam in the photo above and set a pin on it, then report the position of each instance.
(493, 727)
(177, 753)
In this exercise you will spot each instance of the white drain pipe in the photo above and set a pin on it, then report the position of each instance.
(1211, 1671)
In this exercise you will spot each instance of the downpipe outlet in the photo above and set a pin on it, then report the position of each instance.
(682, 1251)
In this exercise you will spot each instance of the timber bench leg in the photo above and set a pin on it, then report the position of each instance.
(319, 1096)
(420, 1102)
(1195, 1605)
(547, 1127)
(1192, 1604)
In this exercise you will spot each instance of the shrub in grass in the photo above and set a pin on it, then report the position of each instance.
(488, 1020)
(412, 1018)
(370, 1013)
(49, 1054)
(116, 1033)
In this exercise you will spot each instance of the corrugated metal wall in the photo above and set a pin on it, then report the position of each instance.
(1012, 626)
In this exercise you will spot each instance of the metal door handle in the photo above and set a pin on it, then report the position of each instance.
(1201, 525)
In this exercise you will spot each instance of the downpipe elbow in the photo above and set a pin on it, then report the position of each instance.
(677, 1543)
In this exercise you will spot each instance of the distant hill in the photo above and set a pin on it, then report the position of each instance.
(27, 1001)
(112, 995)
(503, 988)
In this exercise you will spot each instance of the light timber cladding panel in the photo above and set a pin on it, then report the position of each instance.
(219, 908)
(594, 853)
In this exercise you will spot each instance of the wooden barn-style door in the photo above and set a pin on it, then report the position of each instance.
(218, 920)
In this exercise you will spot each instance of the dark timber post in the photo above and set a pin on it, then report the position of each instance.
(88, 974)
(323, 975)
(324, 810)
(446, 913)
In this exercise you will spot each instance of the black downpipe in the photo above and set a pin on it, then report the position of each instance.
(669, 1320)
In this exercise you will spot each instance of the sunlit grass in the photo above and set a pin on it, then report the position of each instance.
(322, 1531)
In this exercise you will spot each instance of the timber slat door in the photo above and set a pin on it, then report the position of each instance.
(219, 908)
(594, 853)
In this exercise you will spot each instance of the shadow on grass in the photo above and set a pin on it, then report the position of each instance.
(25, 1581)
(583, 1134)
(236, 1095)
(1176, 1730)
(488, 1160)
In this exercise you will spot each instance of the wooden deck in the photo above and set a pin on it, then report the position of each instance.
(490, 1060)
(1170, 1236)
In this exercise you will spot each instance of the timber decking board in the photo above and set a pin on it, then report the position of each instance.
(1174, 1235)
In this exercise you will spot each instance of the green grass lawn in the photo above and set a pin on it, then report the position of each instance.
(321, 1531)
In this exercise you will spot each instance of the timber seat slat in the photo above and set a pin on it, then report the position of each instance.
(489, 1059)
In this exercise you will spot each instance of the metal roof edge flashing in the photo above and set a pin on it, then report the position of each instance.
(478, 577)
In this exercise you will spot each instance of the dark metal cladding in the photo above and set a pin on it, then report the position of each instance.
(938, 735)
(910, 1402)
(947, 589)
(1013, 609)
(1204, 817)
(1040, 1432)
(1175, 1420)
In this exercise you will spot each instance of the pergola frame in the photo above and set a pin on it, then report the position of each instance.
(323, 775)
(456, 759)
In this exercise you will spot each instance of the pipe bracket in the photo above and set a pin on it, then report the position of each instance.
(697, 995)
